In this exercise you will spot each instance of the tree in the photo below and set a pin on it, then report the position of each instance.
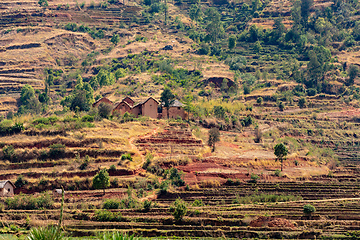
(232, 42)
(281, 152)
(195, 12)
(101, 180)
(302, 102)
(305, 11)
(115, 39)
(214, 137)
(214, 27)
(353, 72)
(43, 3)
(178, 209)
(309, 209)
(105, 110)
(27, 93)
(167, 98)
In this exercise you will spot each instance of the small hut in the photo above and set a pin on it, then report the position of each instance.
(6, 188)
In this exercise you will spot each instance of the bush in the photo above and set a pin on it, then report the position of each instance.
(111, 204)
(277, 172)
(254, 177)
(20, 182)
(126, 156)
(309, 209)
(178, 209)
(147, 205)
(57, 151)
(26, 202)
(8, 152)
(112, 168)
(107, 216)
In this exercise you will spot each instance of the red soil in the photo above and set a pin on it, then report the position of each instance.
(272, 222)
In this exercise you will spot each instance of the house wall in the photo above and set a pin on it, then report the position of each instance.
(104, 100)
(5, 191)
(136, 111)
(150, 108)
(174, 112)
(122, 108)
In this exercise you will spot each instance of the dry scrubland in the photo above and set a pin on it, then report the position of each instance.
(234, 192)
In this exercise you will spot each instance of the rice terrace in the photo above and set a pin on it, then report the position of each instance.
(182, 119)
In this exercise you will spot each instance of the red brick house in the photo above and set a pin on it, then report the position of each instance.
(102, 100)
(176, 110)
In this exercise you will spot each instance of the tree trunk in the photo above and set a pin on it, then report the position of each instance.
(104, 191)
(281, 164)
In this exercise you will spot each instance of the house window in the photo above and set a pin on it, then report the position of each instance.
(9, 190)
(179, 108)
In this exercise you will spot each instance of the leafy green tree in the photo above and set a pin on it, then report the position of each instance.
(278, 30)
(214, 27)
(43, 3)
(101, 180)
(254, 33)
(29, 102)
(257, 47)
(309, 210)
(81, 97)
(281, 152)
(115, 39)
(214, 137)
(232, 42)
(305, 11)
(167, 98)
(27, 93)
(178, 209)
(353, 72)
(195, 13)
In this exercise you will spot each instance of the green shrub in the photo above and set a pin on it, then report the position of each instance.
(309, 209)
(111, 204)
(87, 118)
(178, 209)
(198, 203)
(126, 156)
(147, 205)
(20, 182)
(277, 172)
(8, 152)
(57, 151)
(45, 233)
(26, 202)
(107, 216)
(112, 168)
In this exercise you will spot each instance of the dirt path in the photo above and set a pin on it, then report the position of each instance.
(136, 150)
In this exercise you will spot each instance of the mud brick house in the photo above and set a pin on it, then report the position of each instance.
(176, 109)
(102, 100)
(6, 188)
(149, 107)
